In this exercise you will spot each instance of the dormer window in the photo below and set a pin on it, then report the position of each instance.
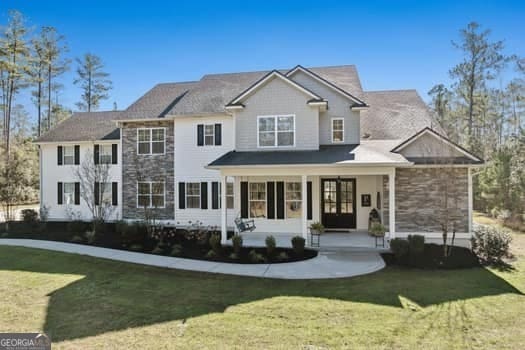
(338, 130)
(276, 131)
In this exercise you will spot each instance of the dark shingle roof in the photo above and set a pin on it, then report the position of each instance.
(443, 160)
(85, 126)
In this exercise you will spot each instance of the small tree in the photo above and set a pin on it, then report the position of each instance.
(94, 182)
(93, 81)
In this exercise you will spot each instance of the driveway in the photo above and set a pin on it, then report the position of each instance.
(328, 264)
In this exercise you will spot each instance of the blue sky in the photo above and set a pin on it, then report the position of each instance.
(395, 44)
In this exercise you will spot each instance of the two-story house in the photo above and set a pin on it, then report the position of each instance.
(284, 148)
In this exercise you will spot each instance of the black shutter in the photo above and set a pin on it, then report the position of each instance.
(309, 200)
(218, 134)
(97, 193)
(204, 195)
(200, 135)
(77, 193)
(270, 200)
(77, 154)
(280, 200)
(60, 194)
(114, 193)
(114, 151)
(244, 199)
(215, 195)
(96, 154)
(182, 195)
(59, 155)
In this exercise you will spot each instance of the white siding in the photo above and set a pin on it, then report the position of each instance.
(53, 173)
(190, 163)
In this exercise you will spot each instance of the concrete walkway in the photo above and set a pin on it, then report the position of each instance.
(328, 264)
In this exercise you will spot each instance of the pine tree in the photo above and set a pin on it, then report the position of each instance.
(93, 81)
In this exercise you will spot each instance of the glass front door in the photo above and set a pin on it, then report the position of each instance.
(338, 203)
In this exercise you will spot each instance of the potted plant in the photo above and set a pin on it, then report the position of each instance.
(316, 228)
(377, 230)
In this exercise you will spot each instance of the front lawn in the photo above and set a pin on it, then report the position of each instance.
(83, 302)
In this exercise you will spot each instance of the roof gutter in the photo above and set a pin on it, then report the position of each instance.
(360, 164)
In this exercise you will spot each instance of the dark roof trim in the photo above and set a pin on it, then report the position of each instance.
(358, 102)
(439, 136)
(235, 101)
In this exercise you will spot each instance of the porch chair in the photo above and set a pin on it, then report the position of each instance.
(244, 225)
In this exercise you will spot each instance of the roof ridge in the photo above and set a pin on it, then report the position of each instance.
(390, 90)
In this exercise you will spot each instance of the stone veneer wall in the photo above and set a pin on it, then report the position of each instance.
(158, 167)
(419, 198)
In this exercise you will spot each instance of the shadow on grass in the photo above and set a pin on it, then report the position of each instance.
(113, 296)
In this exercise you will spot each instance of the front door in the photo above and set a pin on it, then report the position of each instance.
(338, 203)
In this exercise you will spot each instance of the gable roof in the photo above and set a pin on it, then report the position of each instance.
(272, 75)
(428, 131)
(84, 126)
(299, 68)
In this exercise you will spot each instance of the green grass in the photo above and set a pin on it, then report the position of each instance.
(89, 303)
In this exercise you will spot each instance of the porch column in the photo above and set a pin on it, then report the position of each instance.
(470, 201)
(392, 203)
(304, 211)
(224, 230)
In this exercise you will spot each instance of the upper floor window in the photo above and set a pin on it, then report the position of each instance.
(209, 134)
(151, 141)
(338, 130)
(276, 131)
(105, 154)
(69, 155)
(193, 195)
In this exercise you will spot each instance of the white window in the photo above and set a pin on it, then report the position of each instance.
(193, 195)
(150, 194)
(104, 154)
(229, 195)
(69, 193)
(338, 130)
(209, 135)
(276, 131)
(293, 200)
(257, 199)
(151, 141)
(105, 193)
(69, 155)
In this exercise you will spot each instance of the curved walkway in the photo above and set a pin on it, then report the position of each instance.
(328, 264)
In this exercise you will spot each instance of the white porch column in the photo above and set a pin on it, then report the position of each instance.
(470, 201)
(304, 211)
(224, 229)
(392, 203)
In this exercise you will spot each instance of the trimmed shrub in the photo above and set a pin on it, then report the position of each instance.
(77, 226)
(399, 247)
(298, 243)
(233, 256)
(282, 256)
(211, 254)
(77, 239)
(215, 243)
(491, 244)
(237, 244)
(270, 246)
(29, 215)
(159, 250)
(176, 250)
(256, 257)
(416, 244)
(136, 247)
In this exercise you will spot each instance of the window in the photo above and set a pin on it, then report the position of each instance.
(69, 193)
(150, 195)
(229, 195)
(276, 131)
(106, 193)
(293, 200)
(209, 135)
(193, 195)
(104, 154)
(151, 141)
(338, 130)
(69, 155)
(257, 199)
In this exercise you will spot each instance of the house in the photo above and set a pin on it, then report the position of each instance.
(283, 147)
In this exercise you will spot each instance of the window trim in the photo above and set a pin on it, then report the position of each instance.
(64, 147)
(286, 200)
(192, 195)
(151, 194)
(250, 200)
(275, 131)
(332, 128)
(151, 142)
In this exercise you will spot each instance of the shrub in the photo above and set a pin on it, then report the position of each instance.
(270, 246)
(515, 222)
(120, 227)
(44, 213)
(90, 236)
(77, 239)
(159, 250)
(298, 243)
(215, 243)
(136, 247)
(133, 233)
(211, 254)
(29, 215)
(77, 227)
(233, 256)
(176, 250)
(490, 244)
(416, 244)
(282, 256)
(256, 257)
(399, 247)
(237, 244)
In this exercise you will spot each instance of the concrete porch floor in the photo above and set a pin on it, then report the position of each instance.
(355, 240)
